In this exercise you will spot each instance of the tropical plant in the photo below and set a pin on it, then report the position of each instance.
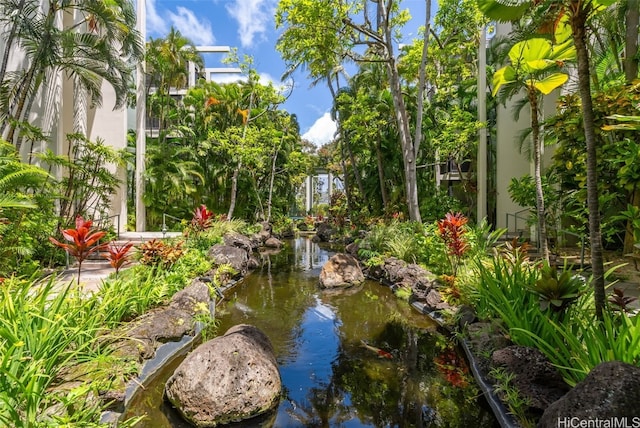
(578, 15)
(158, 253)
(83, 241)
(534, 65)
(88, 186)
(577, 347)
(348, 25)
(503, 386)
(452, 230)
(557, 291)
(118, 255)
(202, 218)
(43, 333)
(620, 301)
(99, 44)
(167, 60)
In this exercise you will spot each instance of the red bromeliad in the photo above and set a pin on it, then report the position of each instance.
(118, 255)
(202, 218)
(83, 241)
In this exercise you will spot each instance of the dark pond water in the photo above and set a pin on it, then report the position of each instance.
(330, 379)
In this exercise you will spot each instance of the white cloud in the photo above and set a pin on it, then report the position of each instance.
(253, 17)
(322, 131)
(155, 23)
(198, 31)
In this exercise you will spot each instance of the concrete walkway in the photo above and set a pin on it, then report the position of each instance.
(95, 271)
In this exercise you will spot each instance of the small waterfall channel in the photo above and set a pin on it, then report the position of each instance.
(330, 378)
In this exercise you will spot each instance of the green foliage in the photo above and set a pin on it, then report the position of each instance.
(141, 287)
(43, 332)
(632, 216)
(202, 241)
(510, 288)
(89, 183)
(436, 203)
(617, 152)
(397, 239)
(576, 347)
(557, 291)
(206, 321)
(433, 252)
(503, 386)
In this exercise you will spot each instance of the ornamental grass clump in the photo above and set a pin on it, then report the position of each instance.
(83, 241)
(45, 330)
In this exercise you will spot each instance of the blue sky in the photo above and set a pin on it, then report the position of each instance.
(249, 26)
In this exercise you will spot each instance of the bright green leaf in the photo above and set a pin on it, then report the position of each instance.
(551, 82)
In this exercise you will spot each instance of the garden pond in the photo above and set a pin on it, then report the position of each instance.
(355, 358)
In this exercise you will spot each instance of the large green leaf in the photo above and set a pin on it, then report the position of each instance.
(551, 82)
(503, 76)
(505, 11)
(528, 53)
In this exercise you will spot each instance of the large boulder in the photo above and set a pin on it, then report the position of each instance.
(403, 274)
(237, 258)
(324, 232)
(227, 379)
(342, 270)
(163, 324)
(536, 379)
(235, 239)
(611, 391)
(273, 242)
(264, 234)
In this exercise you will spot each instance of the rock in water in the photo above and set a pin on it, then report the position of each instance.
(342, 270)
(227, 379)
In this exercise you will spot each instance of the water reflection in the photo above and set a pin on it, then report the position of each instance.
(329, 378)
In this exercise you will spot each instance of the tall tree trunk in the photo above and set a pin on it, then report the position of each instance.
(271, 180)
(236, 172)
(629, 240)
(354, 165)
(234, 190)
(422, 79)
(402, 117)
(408, 151)
(347, 186)
(537, 174)
(632, 19)
(578, 24)
(383, 188)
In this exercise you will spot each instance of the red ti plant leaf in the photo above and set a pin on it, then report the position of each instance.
(202, 218)
(452, 231)
(83, 241)
(118, 255)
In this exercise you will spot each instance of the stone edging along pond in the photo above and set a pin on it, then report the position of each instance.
(169, 351)
(504, 418)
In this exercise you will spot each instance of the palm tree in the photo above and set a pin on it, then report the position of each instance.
(168, 66)
(578, 13)
(534, 65)
(97, 44)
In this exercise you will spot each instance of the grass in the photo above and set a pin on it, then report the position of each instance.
(42, 333)
(50, 334)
